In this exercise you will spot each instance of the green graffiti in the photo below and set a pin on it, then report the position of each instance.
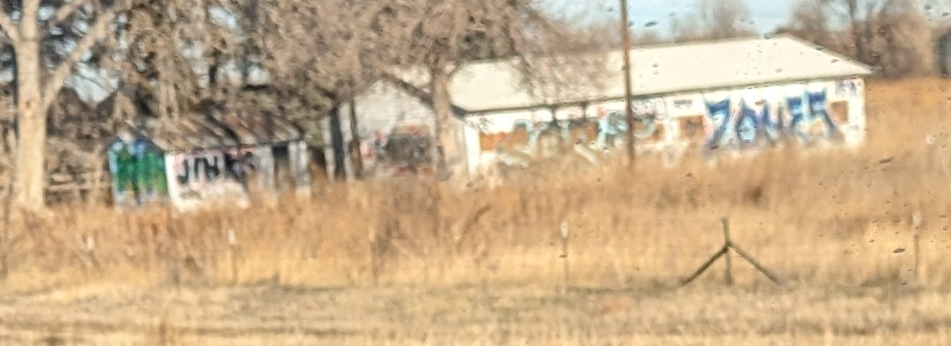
(138, 172)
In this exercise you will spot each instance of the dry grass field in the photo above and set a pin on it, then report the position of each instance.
(380, 264)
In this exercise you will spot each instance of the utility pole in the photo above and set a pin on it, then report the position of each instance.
(628, 111)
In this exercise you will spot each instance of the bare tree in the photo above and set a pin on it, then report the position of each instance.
(443, 36)
(892, 35)
(595, 36)
(325, 49)
(811, 22)
(725, 19)
(906, 41)
(176, 56)
(685, 29)
(35, 88)
(159, 52)
(350, 43)
(716, 19)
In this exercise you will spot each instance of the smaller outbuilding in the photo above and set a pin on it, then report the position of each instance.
(195, 161)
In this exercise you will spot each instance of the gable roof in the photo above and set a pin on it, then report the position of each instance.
(658, 69)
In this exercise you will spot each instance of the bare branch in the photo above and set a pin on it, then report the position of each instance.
(63, 12)
(65, 69)
(10, 29)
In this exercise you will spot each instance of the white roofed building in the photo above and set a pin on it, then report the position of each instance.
(740, 94)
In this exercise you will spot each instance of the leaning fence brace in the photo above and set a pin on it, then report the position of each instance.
(725, 252)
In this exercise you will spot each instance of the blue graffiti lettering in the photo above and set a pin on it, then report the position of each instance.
(818, 110)
(747, 124)
(720, 114)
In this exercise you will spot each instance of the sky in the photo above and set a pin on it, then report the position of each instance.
(767, 14)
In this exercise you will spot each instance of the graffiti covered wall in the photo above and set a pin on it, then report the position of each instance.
(500, 142)
(396, 131)
(200, 177)
(231, 175)
(399, 151)
(205, 176)
(808, 114)
(737, 120)
(138, 172)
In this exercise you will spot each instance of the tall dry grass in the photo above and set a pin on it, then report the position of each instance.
(815, 218)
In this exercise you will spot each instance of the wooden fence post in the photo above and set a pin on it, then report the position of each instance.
(374, 261)
(564, 256)
(233, 245)
(725, 223)
(916, 238)
(89, 244)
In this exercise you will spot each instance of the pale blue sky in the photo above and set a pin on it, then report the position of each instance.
(767, 14)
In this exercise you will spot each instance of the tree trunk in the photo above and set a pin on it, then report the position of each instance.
(449, 153)
(354, 146)
(31, 123)
(35, 94)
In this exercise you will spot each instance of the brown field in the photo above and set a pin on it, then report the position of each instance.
(378, 264)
